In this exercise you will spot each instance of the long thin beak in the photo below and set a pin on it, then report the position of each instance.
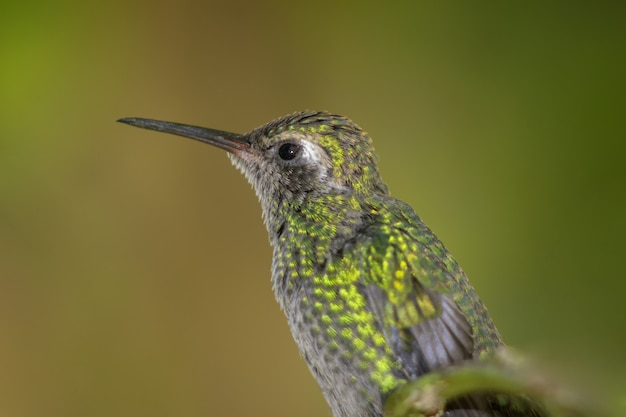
(231, 142)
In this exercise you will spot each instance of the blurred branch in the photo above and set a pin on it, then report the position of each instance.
(506, 374)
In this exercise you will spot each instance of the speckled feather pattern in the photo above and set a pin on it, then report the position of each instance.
(372, 297)
(356, 305)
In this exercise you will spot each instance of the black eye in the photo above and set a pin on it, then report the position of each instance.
(288, 151)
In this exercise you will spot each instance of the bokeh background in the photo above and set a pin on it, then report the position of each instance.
(134, 267)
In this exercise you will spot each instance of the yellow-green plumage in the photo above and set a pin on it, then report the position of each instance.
(372, 297)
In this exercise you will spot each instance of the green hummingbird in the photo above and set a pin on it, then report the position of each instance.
(372, 297)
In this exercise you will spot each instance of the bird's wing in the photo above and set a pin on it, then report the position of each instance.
(408, 285)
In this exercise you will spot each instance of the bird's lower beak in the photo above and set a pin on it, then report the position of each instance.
(231, 142)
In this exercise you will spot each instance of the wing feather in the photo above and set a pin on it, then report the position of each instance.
(424, 327)
(413, 289)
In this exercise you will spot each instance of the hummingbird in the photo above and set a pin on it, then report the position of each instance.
(372, 297)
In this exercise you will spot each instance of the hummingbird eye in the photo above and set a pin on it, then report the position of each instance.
(288, 151)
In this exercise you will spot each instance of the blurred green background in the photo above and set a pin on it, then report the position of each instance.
(134, 267)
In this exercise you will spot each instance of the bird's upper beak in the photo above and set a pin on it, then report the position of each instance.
(231, 142)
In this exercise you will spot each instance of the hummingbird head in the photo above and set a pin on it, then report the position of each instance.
(307, 154)
(295, 157)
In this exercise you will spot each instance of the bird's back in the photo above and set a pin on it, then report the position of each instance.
(374, 300)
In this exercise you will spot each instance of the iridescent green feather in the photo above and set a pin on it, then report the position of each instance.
(372, 297)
